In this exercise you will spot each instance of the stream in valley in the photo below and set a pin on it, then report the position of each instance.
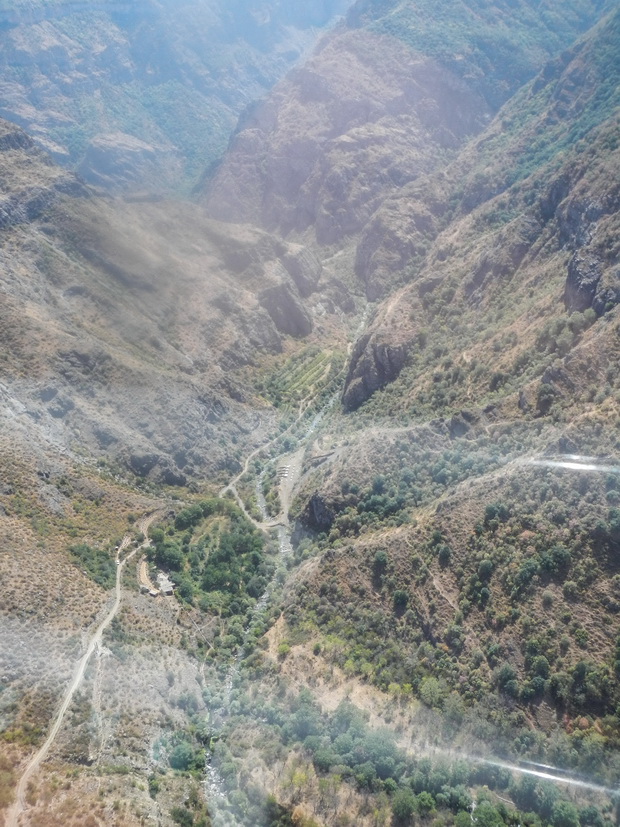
(216, 788)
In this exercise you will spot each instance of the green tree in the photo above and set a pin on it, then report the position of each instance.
(485, 815)
(403, 805)
(431, 692)
(182, 816)
(182, 756)
(564, 814)
(425, 803)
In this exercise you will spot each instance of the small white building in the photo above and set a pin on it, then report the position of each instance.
(166, 586)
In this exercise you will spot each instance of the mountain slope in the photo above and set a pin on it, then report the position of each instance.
(133, 339)
(528, 193)
(436, 614)
(377, 108)
(454, 511)
(457, 523)
(128, 327)
(144, 95)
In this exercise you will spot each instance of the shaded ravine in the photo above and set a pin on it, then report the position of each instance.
(19, 806)
(305, 405)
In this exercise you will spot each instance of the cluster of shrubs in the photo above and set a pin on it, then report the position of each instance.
(343, 747)
(224, 570)
(98, 564)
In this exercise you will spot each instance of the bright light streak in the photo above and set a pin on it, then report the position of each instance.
(548, 776)
(556, 774)
(576, 463)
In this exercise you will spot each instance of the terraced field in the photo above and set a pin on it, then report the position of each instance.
(303, 375)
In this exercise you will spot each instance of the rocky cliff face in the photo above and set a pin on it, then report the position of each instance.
(338, 153)
(30, 182)
(560, 218)
(161, 84)
(374, 363)
(587, 221)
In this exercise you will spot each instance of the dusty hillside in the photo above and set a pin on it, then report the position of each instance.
(362, 116)
(382, 103)
(137, 338)
(144, 95)
(127, 327)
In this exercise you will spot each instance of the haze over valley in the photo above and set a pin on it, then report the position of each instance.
(310, 491)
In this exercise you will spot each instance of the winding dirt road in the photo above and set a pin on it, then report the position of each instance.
(232, 485)
(19, 805)
(303, 407)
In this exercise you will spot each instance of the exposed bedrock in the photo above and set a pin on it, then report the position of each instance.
(374, 363)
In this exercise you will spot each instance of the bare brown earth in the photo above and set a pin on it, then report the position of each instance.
(14, 813)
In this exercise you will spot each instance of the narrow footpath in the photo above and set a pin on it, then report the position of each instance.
(20, 806)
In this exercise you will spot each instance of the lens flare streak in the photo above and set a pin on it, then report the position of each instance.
(547, 776)
(576, 463)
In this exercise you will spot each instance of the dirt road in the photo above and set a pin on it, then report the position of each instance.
(19, 806)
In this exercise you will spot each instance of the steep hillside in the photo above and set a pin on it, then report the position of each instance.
(144, 95)
(393, 530)
(112, 310)
(455, 581)
(496, 47)
(384, 101)
(467, 509)
(536, 193)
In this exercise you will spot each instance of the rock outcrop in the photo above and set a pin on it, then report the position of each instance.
(589, 284)
(584, 275)
(318, 514)
(374, 363)
(305, 268)
(30, 182)
(286, 310)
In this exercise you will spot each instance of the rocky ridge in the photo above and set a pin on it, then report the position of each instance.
(375, 111)
(557, 207)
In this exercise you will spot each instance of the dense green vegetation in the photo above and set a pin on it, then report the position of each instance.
(97, 563)
(219, 563)
(339, 749)
(549, 545)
